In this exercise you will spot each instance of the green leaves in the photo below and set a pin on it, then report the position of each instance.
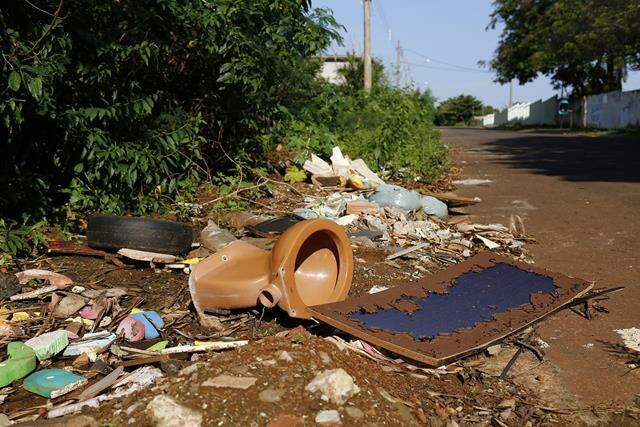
(14, 81)
(35, 87)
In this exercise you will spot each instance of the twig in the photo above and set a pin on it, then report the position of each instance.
(532, 349)
(513, 359)
(53, 21)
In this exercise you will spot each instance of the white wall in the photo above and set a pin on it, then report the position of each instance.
(329, 72)
(612, 110)
(536, 113)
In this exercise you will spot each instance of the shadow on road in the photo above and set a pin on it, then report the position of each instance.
(575, 158)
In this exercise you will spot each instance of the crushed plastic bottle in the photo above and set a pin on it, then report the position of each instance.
(215, 238)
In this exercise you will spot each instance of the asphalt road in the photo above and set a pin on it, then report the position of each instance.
(580, 198)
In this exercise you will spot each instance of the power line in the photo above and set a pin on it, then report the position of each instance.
(435, 67)
(461, 67)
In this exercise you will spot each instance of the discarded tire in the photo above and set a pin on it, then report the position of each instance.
(145, 234)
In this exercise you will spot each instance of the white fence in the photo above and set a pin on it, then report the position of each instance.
(611, 110)
(538, 113)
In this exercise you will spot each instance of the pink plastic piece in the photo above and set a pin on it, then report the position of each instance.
(131, 328)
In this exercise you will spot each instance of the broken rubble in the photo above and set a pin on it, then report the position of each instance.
(166, 412)
(335, 385)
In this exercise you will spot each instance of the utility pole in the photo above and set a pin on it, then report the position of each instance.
(398, 59)
(367, 45)
(510, 93)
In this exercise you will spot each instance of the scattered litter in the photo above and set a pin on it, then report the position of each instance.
(215, 238)
(49, 276)
(631, 338)
(139, 255)
(407, 251)
(375, 289)
(48, 344)
(335, 385)
(91, 345)
(52, 383)
(488, 243)
(20, 362)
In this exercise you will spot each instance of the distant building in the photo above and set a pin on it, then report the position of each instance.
(330, 67)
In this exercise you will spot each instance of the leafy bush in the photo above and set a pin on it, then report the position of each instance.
(19, 240)
(115, 106)
(390, 128)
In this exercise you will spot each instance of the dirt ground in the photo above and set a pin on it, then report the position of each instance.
(580, 197)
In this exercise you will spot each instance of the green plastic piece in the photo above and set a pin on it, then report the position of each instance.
(159, 346)
(21, 361)
(49, 344)
(51, 383)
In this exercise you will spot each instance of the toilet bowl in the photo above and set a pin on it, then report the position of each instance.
(310, 264)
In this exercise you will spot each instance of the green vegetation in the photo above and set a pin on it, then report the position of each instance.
(391, 128)
(586, 45)
(127, 107)
(460, 110)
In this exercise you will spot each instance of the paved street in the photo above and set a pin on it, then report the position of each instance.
(580, 197)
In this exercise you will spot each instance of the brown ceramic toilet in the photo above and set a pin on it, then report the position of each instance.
(310, 264)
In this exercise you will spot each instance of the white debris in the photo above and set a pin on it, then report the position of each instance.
(631, 338)
(541, 343)
(488, 243)
(330, 416)
(336, 385)
(473, 181)
(166, 412)
(375, 289)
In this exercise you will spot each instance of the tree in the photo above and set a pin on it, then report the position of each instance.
(353, 73)
(582, 45)
(460, 109)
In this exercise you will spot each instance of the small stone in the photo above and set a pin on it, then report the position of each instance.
(330, 416)
(230, 382)
(270, 395)
(284, 355)
(494, 349)
(326, 359)
(81, 362)
(166, 412)
(354, 412)
(335, 385)
(507, 403)
(285, 420)
(269, 362)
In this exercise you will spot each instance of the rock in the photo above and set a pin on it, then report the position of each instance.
(507, 403)
(330, 416)
(166, 412)
(230, 382)
(4, 420)
(494, 349)
(354, 412)
(285, 420)
(285, 356)
(270, 395)
(9, 285)
(336, 385)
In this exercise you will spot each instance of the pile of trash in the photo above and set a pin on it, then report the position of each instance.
(388, 216)
(80, 344)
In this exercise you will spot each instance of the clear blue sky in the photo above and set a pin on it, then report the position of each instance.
(451, 32)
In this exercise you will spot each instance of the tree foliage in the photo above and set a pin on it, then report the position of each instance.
(460, 109)
(115, 106)
(584, 45)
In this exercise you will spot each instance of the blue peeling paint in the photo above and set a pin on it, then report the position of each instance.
(474, 297)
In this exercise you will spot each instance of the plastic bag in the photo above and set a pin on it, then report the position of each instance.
(435, 207)
(388, 195)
